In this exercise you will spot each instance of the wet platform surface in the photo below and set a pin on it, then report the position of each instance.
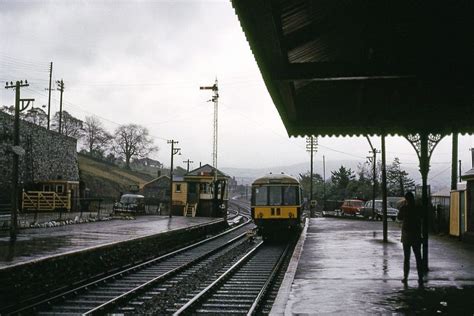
(36, 243)
(344, 268)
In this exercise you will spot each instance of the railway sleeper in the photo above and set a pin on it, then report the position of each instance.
(56, 313)
(220, 312)
(233, 291)
(69, 308)
(243, 288)
(224, 305)
(107, 292)
(85, 302)
(224, 296)
(231, 300)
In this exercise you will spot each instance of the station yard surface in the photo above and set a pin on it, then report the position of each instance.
(38, 243)
(344, 268)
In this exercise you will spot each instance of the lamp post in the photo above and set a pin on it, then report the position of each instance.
(174, 151)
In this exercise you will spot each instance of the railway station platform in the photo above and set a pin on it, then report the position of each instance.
(341, 266)
(43, 260)
(36, 244)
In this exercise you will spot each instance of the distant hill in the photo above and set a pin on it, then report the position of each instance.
(439, 174)
(106, 179)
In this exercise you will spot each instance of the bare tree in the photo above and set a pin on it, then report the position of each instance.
(70, 126)
(95, 135)
(8, 109)
(131, 141)
(36, 116)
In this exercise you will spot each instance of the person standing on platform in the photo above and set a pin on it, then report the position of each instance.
(411, 236)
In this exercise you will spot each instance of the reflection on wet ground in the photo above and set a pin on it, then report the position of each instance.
(37, 243)
(345, 268)
(435, 300)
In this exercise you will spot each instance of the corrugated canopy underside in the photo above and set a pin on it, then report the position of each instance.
(354, 67)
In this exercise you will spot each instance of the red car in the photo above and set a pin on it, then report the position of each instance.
(352, 207)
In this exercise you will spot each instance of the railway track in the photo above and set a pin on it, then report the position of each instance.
(242, 287)
(232, 273)
(118, 289)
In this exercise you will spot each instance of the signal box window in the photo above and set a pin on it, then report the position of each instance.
(178, 188)
(275, 196)
(59, 188)
(261, 196)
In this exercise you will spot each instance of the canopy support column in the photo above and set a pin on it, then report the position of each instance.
(424, 144)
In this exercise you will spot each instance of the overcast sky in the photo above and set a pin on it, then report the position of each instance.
(143, 62)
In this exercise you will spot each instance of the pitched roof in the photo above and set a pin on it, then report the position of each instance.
(469, 175)
(205, 170)
(157, 179)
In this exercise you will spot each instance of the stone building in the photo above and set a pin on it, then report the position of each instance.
(48, 156)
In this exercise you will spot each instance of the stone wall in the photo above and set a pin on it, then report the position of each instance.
(49, 155)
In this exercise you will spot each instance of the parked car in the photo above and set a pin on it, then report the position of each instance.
(366, 211)
(351, 207)
(133, 203)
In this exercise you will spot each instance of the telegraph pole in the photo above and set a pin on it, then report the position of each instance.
(188, 162)
(174, 151)
(49, 93)
(324, 183)
(311, 147)
(17, 151)
(214, 99)
(60, 88)
(373, 159)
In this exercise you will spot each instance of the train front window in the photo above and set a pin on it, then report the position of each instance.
(290, 195)
(260, 196)
(275, 196)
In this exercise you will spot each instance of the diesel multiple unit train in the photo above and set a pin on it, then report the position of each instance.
(276, 204)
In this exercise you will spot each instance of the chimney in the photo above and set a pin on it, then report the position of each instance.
(200, 165)
(159, 173)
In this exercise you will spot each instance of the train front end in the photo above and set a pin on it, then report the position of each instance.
(276, 204)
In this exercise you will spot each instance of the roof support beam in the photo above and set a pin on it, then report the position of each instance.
(338, 71)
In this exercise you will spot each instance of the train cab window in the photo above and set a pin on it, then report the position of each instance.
(260, 196)
(290, 195)
(275, 196)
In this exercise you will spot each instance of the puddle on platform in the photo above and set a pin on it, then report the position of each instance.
(431, 301)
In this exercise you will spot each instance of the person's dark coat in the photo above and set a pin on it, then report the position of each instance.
(411, 227)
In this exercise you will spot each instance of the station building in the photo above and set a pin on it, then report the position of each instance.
(200, 192)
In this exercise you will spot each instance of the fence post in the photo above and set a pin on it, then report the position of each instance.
(68, 200)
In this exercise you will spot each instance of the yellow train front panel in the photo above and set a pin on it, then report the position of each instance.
(275, 212)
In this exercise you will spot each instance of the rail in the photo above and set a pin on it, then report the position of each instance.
(106, 306)
(201, 294)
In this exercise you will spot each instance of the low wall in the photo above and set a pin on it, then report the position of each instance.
(42, 277)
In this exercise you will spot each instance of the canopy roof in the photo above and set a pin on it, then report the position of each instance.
(355, 67)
